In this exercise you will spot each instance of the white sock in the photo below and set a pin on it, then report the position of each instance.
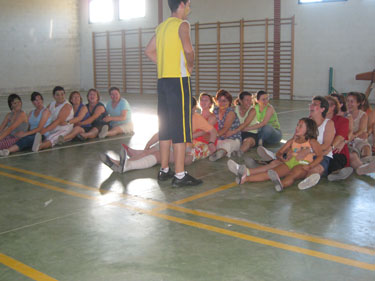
(165, 170)
(180, 175)
(143, 163)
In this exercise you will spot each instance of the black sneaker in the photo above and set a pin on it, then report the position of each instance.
(162, 176)
(187, 180)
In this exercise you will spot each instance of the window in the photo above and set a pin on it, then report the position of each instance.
(108, 10)
(317, 1)
(129, 9)
(101, 11)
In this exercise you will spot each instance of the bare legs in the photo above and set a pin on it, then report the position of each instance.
(296, 173)
(115, 131)
(13, 148)
(93, 133)
(76, 130)
(282, 170)
(264, 168)
(366, 151)
(179, 157)
(247, 144)
(45, 144)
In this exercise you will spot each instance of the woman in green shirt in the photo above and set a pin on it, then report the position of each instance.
(268, 127)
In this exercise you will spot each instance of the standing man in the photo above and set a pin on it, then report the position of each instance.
(171, 49)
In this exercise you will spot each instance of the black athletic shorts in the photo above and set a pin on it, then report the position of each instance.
(245, 135)
(174, 109)
(337, 162)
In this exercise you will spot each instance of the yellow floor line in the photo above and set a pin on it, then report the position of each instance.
(24, 269)
(195, 197)
(204, 194)
(247, 237)
(255, 239)
(281, 232)
(48, 186)
(27, 172)
(163, 206)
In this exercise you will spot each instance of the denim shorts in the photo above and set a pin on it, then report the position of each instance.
(325, 164)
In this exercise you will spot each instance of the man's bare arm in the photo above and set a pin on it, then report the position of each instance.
(150, 50)
(184, 33)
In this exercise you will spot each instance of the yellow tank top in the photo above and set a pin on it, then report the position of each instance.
(171, 59)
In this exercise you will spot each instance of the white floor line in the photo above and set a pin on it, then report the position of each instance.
(41, 222)
(67, 146)
(79, 211)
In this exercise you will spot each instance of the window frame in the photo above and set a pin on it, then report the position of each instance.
(320, 2)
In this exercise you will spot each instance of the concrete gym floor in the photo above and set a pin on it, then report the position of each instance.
(66, 216)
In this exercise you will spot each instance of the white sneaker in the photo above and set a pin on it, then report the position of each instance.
(218, 154)
(108, 161)
(60, 140)
(366, 169)
(233, 166)
(122, 159)
(4, 152)
(274, 177)
(37, 142)
(310, 181)
(242, 173)
(250, 162)
(265, 154)
(103, 132)
(341, 174)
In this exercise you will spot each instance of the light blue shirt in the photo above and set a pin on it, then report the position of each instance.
(122, 105)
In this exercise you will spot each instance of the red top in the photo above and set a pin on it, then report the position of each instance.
(342, 129)
(204, 139)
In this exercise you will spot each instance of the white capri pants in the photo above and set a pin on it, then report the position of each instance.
(229, 145)
(357, 145)
(59, 131)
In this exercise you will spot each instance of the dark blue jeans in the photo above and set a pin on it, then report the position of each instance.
(26, 142)
(269, 135)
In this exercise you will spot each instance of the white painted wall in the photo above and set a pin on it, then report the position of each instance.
(39, 45)
(338, 35)
(150, 20)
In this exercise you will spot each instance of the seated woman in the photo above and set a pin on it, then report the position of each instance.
(201, 138)
(80, 114)
(206, 103)
(150, 156)
(93, 124)
(14, 123)
(268, 127)
(339, 146)
(37, 121)
(358, 139)
(227, 121)
(247, 116)
(304, 138)
(343, 109)
(318, 111)
(61, 112)
(119, 116)
(365, 106)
